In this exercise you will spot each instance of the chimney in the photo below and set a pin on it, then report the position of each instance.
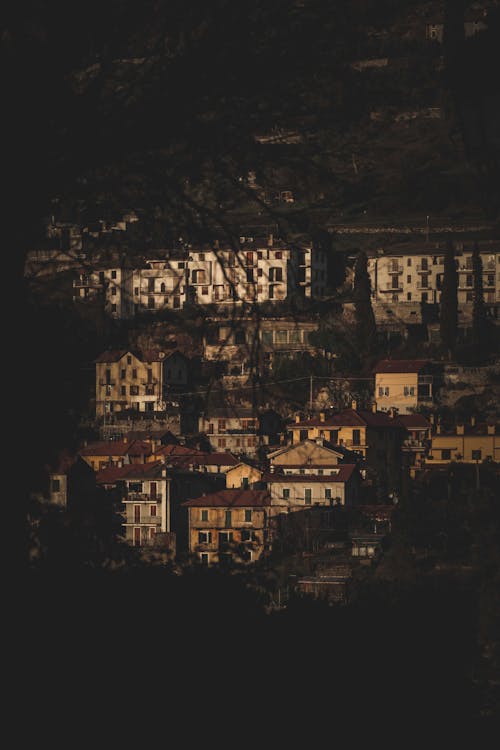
(431, 418)
(270, 240)
(297, 418)
(322, 416)
(473, 421)
(354, 405)
(460, 429)
(438, 428)
(163, 471)
(491, 429)
(374, 407)
(271, 469)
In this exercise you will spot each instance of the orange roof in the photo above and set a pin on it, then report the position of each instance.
(117, 448)
(400, 365)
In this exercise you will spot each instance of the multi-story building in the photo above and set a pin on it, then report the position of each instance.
(229, 525)
(403, 384)
(375, 435)
(137, 380)
(232, 429)
(301, 487)
(405, 276)
(465, 443)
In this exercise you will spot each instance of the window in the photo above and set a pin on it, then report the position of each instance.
(278, 254)
(152, 532)
(113, 308)
(151, 303)
(177, 302)
(181, 264)
(328, 493)
(307, 496)
(248, 516)
(113, 274)
(281, 337)
(408, 296)
(408, 279)
(356, 436)
(134, 390)
(123, 374)
(123, 390)
(204, 290)
(134, 373)
(476, 455)
(228, 518)
(204, 558)
(225, 537)
(204, 515)
(286, 494)
(380, 391)
(221, 425)
(408, 262)
(249, 275)
(113, 291)
(246, 535)
(204, 537)
(129, 359)
(56, 485)
(425, 296)
(334, 436)
(468, 280)
(320, 472)
(137, 513)
(152, 510)
(425, 264)
(445, 454)
(136, 291)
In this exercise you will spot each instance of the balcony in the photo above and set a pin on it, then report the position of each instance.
(423, 287)
(422, 269)
(102, 381)
(395, 269)
(152, 381)
(142, 497)
(390, 288)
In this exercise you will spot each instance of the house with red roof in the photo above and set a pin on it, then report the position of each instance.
(228, 526)
(297, 488)
(403, 384)
(376, 436)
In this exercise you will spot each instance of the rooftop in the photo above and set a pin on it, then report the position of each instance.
(231, 499)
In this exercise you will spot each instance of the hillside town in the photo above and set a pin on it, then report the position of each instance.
(258, 250)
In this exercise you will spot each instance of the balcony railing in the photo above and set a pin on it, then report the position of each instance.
(102, 381)
(142, 497)
(395, 269)
(145, 381)
(422, 269)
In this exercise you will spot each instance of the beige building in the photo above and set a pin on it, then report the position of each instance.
(403, 384)
(303, 487)
(228, 526)
(232, 429)
(405, 276)
(465, 443)
(137, 380)
(243, 476)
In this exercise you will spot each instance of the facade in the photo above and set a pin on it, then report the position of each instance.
(403, 384)
(416, 440)
(405, 276)
(311, 453)
(376, 436)
(136, 380)
(245, 343)
(145, 496)
(298, 488)
(465, 443)
(233, 430)
(230, 525)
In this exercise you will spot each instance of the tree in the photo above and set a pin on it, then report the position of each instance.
(366, 329)
(479, 315)
(449, 302)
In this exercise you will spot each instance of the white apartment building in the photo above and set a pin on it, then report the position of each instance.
(405, 274)
(257, 272)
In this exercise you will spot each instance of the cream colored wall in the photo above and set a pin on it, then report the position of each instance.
(489, 445)
(235, 476)
(300, 454)
(113, 392)
(396, 382)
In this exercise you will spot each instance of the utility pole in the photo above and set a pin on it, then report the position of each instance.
(311, 393)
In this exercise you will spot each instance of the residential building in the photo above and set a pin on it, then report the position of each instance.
(375, 435)
(229, 525)
(301, 487)
(312, 453)
(104, 453)
(234, 429)
(243, 475)
(416, 439)
(403, 384)
(469, 443)
(137, 380)
(405, 277)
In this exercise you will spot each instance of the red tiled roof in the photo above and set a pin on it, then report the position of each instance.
(231, 499)
(113, 474)
(117, 448)
(112, 355)
(414, 421)
(400, 365)
(178, 451)
(344, 474)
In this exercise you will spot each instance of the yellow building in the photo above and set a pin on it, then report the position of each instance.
(242, 475)
(376, 436)
(229, 525)
(105, 453)
(466, 443)
(137, 380)
(403, 384)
